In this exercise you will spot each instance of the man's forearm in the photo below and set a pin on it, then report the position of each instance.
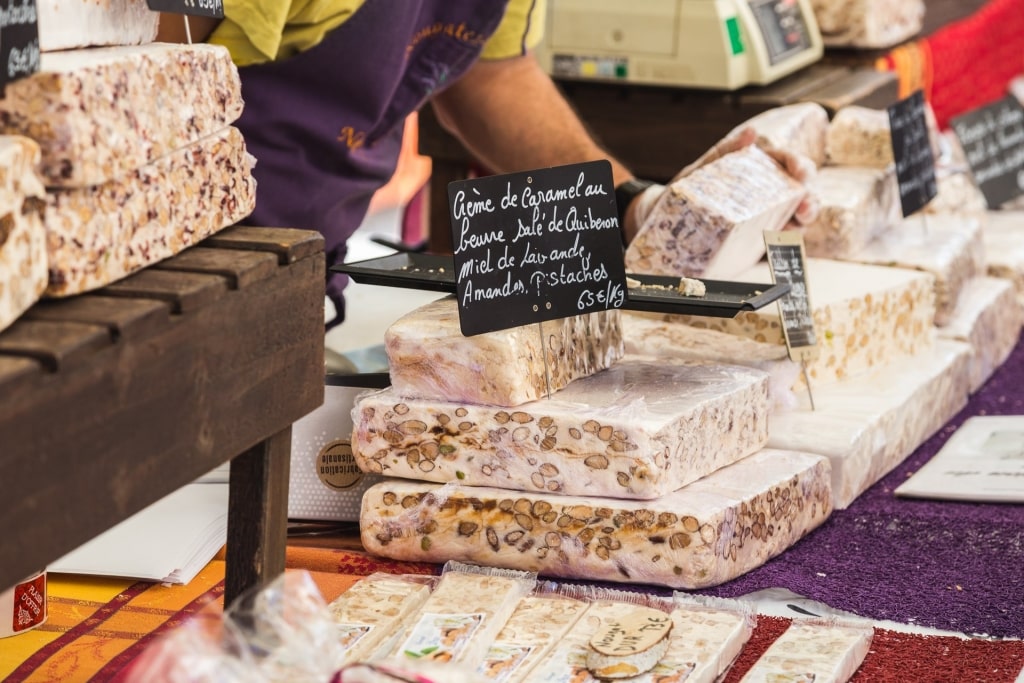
(511, 117)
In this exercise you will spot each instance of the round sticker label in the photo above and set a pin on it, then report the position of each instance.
(336, 466)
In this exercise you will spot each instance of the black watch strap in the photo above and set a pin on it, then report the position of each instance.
(626, 192)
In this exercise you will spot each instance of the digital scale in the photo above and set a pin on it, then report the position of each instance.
(717, 44)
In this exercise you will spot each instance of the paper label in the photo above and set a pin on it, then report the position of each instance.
(787, 264)
(503, 660)
(576, 671)
(633, 633)
(336, 466)
(350, 634)
(441, 637)
(23, 607)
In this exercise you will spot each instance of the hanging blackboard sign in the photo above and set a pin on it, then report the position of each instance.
(535, 246)
(993, 141)
(19, 40)
(786, 262)
(912, 150)
(199, 8)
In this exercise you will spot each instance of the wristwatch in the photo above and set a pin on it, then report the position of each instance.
(626, 192)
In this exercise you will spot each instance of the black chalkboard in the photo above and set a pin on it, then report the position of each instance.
(200, 8)
(19, 40)
(911, 147)
(786, 261)
(535, 246)
(993, 140)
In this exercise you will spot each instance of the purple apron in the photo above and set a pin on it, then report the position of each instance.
(326, 125)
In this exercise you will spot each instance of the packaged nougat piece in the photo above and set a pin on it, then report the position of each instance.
(856, 204)
(67, 24)
(99, 234)
(795, 128)
(1004, 246)
(860, 136)
(465, 612)
(704, 534)
(867, 425)
(369, 612)
(947, 246)
(709, 223)
(989, 317)
(868, 23)
(539, 624)
(428, 356)
(23, 272)
(865, 316)
(813, 650)
(640, 429)
(99, 114)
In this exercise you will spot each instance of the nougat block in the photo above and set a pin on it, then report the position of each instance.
(23, 272)
(868, 425)
(99, 234)
(428, 356)
(67, 24)
(856, 204)
(99, 114)
(868, 23)
(813, 651)
(709, 223)
(704, 534)
(859, 136)
(796, 128)
(539, 624)
(1004, 246)
(864, 316)
(640, 429)
(950, 247)
(989, 317)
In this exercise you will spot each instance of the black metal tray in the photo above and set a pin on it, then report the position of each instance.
(656, 293)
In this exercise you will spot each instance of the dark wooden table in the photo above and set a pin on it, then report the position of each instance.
(113, 399)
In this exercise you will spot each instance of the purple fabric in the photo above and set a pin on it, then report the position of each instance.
(947, 565)
(326, 125)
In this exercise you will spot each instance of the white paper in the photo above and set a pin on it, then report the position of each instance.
(169, 542)
(982, 461)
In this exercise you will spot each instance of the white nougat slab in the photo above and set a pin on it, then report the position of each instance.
(67, 24)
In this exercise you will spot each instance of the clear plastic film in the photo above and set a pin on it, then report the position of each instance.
(868, 23)
(856, 204)
(827, 650)
(638, 430)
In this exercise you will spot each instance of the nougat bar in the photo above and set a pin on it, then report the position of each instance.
(99, 234)
(67, 24)
(99, 114)
(813, 651)
(868, 23)
(1004, 248)
(639, 429)
(23, 273)
(709, 223)
(856, 204)
(704, 534)
(428, 356)
(795, 128)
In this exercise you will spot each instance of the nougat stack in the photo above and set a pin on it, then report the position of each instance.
(704, 534)
(1004, 246)
(796, 128)
(709, 223)
(67, 24)
(23, 274)
(856, 205)
(868, 23)
(640, 429)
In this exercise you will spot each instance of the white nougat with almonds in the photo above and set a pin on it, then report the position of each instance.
(856, 205)
(67, 24)
(868, 23)
(640, 429)
(796, 128)
(709, 223)
(1004, 246)
(813, 651)
(23, 273)
(704, 534)
(428, 356)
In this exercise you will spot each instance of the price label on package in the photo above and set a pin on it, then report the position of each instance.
(198, 8)
(787, 263)
(912, 150)
(536, 246)
(993, 142)
(19, 40)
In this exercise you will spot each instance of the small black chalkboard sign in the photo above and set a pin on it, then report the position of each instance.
(912, 150)
(199, 8)
(786, 262)
(19, 40)
(993, 140)
(536, 246)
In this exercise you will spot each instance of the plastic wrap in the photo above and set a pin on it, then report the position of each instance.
(197, 651)
(708, 532)
(796, 128)
(640, 429)
(23, 264)
(868, 23)
(818, 650)
(461, 618)
(428, 356)
(406, 671)
(1004, 246)
(856, 204)
(867, 425)
(949, 247)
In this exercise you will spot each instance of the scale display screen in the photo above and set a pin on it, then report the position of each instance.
(783, 26)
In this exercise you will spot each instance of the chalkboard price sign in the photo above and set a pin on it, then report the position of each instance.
(535, 246)
(19, 40)
(199, 8)
(993, 140)
(911, 147)
(786, 262)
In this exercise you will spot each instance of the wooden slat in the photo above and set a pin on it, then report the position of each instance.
(241, 268)
(185, 292)
(16, 374)
(862, 87)
(57, 345)
(793, 88)
(290, 245)
(125, 318)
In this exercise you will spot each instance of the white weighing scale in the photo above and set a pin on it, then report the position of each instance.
(719, 44)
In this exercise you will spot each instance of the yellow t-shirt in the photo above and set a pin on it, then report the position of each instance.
(257, 31)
